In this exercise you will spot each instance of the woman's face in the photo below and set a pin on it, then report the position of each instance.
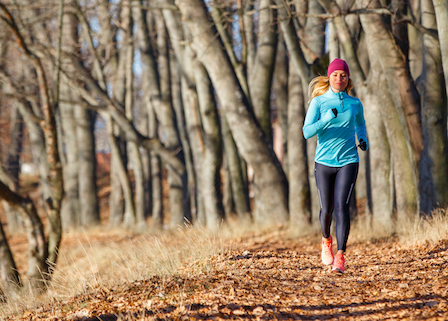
(338, 80)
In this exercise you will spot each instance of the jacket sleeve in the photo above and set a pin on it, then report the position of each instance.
(314, 121)
(360, 123)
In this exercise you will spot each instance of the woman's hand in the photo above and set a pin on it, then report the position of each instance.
(362, 144)
(329, 115)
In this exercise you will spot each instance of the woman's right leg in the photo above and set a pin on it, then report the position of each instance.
(325, 179)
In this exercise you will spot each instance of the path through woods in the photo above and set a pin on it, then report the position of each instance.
(273, 277)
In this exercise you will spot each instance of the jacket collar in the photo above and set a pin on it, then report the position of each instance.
(331, 93)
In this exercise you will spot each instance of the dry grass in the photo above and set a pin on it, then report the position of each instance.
(103, 259)
(428, 229)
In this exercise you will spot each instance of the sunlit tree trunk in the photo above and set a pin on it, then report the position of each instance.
(441, 11)
(178, 105)
(433, 166)
(236, 176)
(280, 88)
(299, 185)
(263, 69)
(13, 163)
(380, 195)
(9, 275)
(167, 118)
(38, 268)
(135, 157)
(71, 203)
(211, 180)
(119, 174)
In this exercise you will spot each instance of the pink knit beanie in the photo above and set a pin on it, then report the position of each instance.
(338, 64)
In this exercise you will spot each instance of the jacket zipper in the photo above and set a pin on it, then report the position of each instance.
(342, 101)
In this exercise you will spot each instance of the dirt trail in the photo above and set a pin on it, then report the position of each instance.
(269, 278)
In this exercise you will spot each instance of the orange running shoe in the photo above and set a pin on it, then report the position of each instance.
(339, 263)
(327, 251)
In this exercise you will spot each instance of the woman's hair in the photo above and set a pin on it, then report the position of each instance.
(319, 86)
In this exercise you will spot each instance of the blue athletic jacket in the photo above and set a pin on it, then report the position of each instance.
(336, 145)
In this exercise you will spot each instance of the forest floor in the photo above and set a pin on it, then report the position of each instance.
(274, 276)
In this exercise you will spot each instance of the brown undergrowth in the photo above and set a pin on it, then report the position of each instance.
(267, 275)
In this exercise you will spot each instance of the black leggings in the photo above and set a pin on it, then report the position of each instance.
(335, 186)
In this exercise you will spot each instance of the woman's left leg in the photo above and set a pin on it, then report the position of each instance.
(344, 186)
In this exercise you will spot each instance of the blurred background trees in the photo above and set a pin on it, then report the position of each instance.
(140, 113)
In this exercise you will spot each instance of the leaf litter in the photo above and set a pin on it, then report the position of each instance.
(276, 277)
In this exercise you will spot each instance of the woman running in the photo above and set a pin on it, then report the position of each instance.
(335, 117)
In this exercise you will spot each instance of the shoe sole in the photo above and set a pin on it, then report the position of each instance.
(337, 270)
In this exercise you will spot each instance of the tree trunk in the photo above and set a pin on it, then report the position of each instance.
(249, 137)
(186, 154)
(314, 32)
(120, 184)
(238, 183)
(280, 88)
(299, 185)
(167, 118)
(118, 144)
(433, 166)
(379, 156)
(71, 204)
(38, 269)
(13, 164)
(156, 173)
(9, 275)
(441, 10)
(263, 69)
(85, 120)
(211, 181)
(184, 102)
(136, 160)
